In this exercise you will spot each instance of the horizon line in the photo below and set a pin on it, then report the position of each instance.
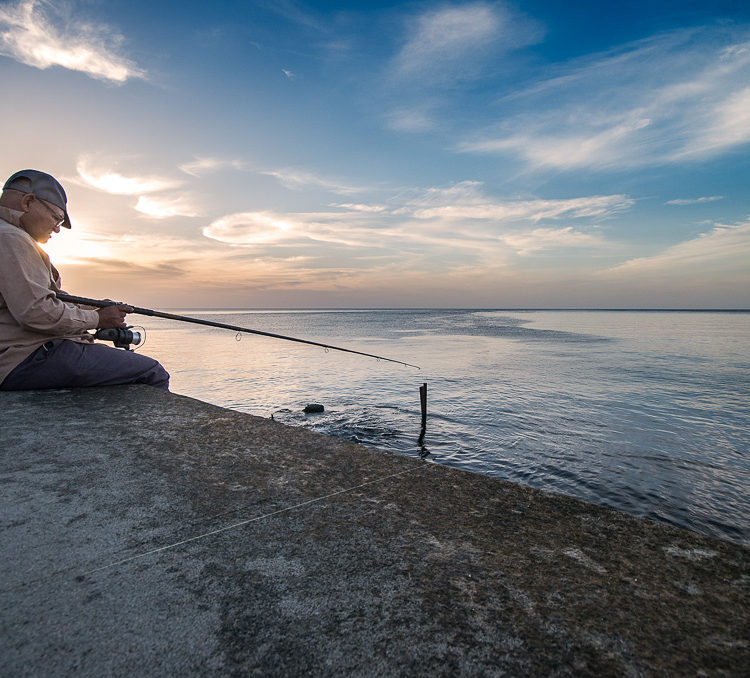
(460, 308)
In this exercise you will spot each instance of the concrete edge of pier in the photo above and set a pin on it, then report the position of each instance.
(152, 534)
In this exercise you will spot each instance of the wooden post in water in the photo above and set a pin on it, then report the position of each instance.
(423, 403)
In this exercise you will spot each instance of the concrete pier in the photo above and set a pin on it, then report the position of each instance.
(148, 534)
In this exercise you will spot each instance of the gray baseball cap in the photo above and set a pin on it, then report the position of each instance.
(44, 186)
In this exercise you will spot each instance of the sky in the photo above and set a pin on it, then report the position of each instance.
(289, 154)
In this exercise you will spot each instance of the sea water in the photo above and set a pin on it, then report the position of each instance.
(647, 412)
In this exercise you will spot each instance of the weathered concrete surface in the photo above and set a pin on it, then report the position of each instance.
(148, 534)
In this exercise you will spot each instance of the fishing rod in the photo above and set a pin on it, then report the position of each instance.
(101, 303)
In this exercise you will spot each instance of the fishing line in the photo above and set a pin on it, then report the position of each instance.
(246, 522)
(205, 534)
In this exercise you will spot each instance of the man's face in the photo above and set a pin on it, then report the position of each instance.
(40, 219)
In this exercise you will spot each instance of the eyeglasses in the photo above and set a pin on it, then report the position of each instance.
(60, 220)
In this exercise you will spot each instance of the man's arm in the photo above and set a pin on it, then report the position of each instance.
(28, 289)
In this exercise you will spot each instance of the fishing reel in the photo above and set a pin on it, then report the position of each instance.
(123, 337)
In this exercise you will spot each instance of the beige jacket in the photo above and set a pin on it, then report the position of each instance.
(30, 314)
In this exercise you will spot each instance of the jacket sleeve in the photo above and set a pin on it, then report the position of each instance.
(28, 289)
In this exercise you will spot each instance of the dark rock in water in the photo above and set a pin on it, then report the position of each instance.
(313, 407)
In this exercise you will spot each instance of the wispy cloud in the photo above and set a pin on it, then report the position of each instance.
(253, 228)
(419, 118)
(320, 229)
(694, 201)
(31, 33)
(113, 182)
(723, 248)
(205, 165)
(295, 12)
(453, 42)
(164, 207)
(726, 125)
(539, 239)
(297, 179)
(356, 207)
(671, 98)
(587, 148)
(465, 200)
(447, 35)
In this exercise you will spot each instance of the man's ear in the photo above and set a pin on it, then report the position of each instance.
(26, 201)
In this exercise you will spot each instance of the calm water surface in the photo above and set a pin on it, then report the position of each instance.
(645, 412)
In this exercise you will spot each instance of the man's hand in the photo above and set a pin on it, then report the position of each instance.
(112, 317)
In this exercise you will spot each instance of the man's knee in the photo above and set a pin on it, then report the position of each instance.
(134, 368)
(158, 377)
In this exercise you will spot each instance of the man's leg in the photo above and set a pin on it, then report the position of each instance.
(61, 363)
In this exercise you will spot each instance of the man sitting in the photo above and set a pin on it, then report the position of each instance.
(43, 341)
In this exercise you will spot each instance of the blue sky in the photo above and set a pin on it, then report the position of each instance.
(471, 154)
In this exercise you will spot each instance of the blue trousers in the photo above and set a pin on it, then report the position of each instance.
(62, 363)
